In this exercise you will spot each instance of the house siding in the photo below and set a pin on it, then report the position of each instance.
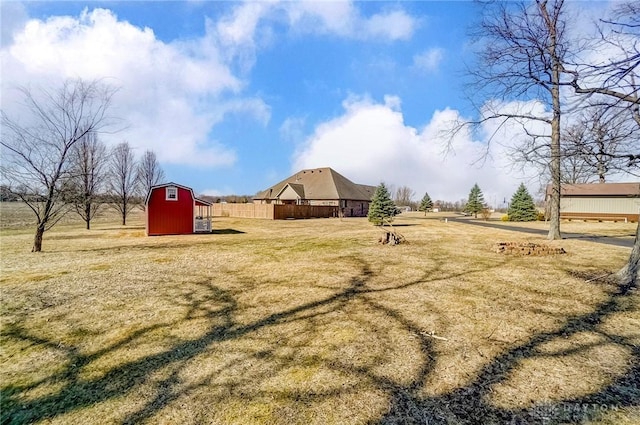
(605, 205)
(356, 209)
(349, 208)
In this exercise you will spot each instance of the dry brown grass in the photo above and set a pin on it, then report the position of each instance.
(312, 321)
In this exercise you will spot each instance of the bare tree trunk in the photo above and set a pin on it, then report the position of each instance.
(37, 240)
(601, 172)
(554, 166)
(554, 201)
(124, 212)
(630, 273)
(87, 213)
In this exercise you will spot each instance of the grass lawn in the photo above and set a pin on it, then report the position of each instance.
(313, 322)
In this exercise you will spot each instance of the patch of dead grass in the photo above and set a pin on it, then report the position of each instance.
(312, 321)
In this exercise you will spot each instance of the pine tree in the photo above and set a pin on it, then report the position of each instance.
(475, 204)
(382, 207)
(522, 207)
(426, 204)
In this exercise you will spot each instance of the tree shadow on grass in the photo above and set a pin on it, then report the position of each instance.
(471, 404)
(226, 232)
(77, 391)
(122, 227)
(468, 404)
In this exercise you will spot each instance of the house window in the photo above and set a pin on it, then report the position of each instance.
(172, 193)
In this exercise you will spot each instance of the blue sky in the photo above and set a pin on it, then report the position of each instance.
(235, 96)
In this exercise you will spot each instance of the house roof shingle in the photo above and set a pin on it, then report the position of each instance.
(320, 183)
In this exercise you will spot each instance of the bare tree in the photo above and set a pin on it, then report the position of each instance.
(35, 164)
(523, 53)
(574, 169)
(615, 84)
(149, 172)
(88, 175)
(404, 196)
(122, 179)
(598, 143)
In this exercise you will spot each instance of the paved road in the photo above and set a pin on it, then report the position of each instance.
(624, 241)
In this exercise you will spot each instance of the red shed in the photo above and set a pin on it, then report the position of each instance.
(172, 209)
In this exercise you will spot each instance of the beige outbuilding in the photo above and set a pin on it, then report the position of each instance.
(600, 201)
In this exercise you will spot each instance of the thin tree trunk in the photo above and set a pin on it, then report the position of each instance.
(554, 201)
(37, 240)
(630, 273)
(87, 214)
(601, 172)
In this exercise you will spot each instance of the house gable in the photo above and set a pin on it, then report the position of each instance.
(291, 192)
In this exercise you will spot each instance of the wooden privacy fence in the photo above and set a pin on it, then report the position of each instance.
(274, 212)
(244, 210)
(282, 212)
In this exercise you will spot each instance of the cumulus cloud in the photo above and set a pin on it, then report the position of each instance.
(344, 19)
(428, 60)
(370, 143)
(248, 24)
(172, 94)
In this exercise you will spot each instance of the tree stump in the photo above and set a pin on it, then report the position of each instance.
(391, 237)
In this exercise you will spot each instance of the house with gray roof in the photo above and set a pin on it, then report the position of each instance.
(320, 187)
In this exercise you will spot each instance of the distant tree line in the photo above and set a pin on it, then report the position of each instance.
(231, 199)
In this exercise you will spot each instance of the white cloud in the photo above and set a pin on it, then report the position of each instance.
(248, 25)
(396, 25)
(428, 60)
(172, 94)
(240, 26)
(371, 143)
(342, 18)
(292, 129)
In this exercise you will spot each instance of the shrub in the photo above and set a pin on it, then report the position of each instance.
(504, 218)
(486, 214)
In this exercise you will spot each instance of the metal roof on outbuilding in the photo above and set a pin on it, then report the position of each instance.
(599, 189)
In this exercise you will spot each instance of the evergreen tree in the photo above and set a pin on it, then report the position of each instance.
(475, 204)
(522, 207)
(426, 204)
(381, 207)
